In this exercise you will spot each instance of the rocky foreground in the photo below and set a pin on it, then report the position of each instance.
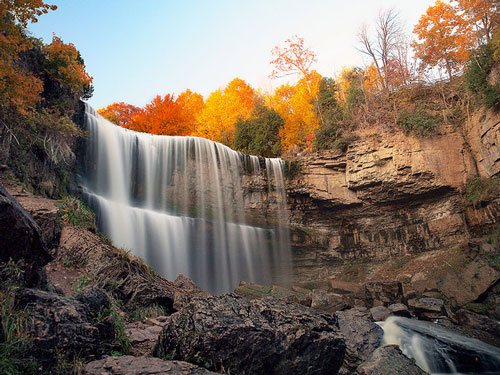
(84, 306)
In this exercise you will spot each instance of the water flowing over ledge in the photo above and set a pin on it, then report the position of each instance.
(178, 203)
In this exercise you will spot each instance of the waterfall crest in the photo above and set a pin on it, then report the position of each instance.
(179, 203)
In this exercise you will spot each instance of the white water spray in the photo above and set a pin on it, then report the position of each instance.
(178, 203)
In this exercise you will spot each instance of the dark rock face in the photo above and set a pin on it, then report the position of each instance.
(389, 360)
(94, 301)
(383, 293)
(21, 238)
(58, 325)
(361, 336)
(399, 309)
(262, 336)
(128, 365)
(481, 323)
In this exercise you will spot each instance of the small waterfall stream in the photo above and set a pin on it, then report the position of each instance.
(438, 350)
(179, 203)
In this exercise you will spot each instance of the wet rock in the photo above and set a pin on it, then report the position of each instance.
(479, 322)
(59, 325)
(379, 313)
(128, 365)
(95, 300)
(383, 293)
(21, 239)
(389, 360)
(427, 308)
(261, 336)
(328, 302)
(399, 309)
(361, 336)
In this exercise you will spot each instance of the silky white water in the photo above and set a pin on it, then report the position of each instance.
(438, 350)
(178, 203)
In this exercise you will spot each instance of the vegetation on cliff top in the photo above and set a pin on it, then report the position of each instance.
(397, 90)
(40, 88)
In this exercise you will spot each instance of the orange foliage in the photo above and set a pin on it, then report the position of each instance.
(119, 113)
(293, 58)
(444, 38)
(484, 15)
(295, 105)
(66, 64)
(223, 108)
(18, 88)
(191, 105)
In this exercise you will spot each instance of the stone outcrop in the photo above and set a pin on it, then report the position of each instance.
(383, 293)
(261, 336)
(60, 325)
(389, 360)
(128, 278)
(21, 239)
(361, 336)
(427, 308)
(128, 365)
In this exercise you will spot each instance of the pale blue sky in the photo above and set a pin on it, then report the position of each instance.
(137, 49)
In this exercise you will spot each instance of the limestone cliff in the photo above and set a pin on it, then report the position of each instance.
(391, 195)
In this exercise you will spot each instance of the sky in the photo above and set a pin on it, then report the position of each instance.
(138, 49)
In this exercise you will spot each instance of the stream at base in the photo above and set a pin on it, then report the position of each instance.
(439, 350)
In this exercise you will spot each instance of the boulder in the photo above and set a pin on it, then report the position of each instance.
(427, 308)
(328, 302)
(344, 287)
(480, 322)
(361, 336)
(261, 336)
(186, 289)
(60, 325)
(253, 291)
(380, 313)
(94, 300)
(128, 365)
(21, 239)
(383, 293)
(399, 309)
(389, 360)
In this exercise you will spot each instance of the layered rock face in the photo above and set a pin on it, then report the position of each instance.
(390, 195)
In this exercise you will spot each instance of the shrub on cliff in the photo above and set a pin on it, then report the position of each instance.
(478, 69)
(419, 122)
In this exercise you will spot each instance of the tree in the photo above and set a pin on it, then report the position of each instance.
(162, 116)
(483, 15)
(384, 48)
(259, 135)
(223, 108)
(119, 113)
(444, 40)
(191, 105)
(296, 105)
(66, 65)
(19, 89)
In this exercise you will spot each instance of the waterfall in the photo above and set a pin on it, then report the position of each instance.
(179, 204)
(438, 350)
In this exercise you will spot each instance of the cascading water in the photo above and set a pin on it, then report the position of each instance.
(178, 203)
(438, 350)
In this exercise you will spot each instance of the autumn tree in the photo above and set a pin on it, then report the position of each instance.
(191, 105)
(444, 39)
(223, 108)
(119, 113)
(66, 65)
(162, 116)
(482, 15)
(19, 88)
(296, 105)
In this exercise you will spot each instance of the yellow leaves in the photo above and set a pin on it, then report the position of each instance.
(223, 108)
